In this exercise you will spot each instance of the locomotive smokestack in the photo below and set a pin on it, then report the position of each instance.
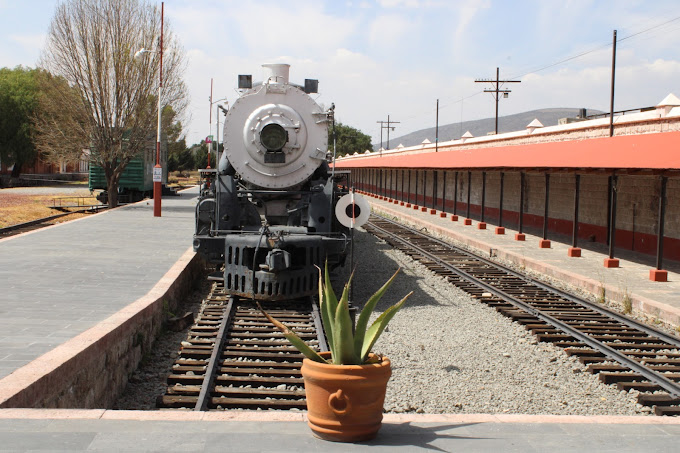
(276, 73)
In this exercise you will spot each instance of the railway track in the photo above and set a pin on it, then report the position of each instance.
(39, 223)
(233, 358)
(622, 351)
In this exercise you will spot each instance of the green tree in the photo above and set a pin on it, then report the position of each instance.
(18, 102)
(91, 46)
(201, 156)
(348, 139)
(177, 145)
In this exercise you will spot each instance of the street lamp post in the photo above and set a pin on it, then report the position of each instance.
(157, 169)
(217, 134)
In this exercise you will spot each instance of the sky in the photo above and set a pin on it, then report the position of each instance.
(375, 58)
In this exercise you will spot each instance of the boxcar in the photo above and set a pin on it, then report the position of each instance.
(136, 182)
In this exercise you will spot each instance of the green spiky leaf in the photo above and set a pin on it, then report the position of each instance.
(329, 304)
(379, 325)
(362, 323)
(344, 339)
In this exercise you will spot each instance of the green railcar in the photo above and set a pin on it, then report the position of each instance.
(136, 182)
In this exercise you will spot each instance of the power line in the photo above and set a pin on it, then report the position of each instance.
(650, 28)
(557, 63)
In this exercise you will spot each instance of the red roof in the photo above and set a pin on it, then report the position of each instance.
(647, 151)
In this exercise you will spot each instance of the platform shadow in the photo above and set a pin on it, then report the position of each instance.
(418, 437)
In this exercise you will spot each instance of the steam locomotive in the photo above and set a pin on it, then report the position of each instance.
(267, 213)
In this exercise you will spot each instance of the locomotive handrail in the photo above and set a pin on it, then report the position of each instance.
(307, 233)
(278, 192)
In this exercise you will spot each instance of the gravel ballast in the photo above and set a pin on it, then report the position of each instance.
(449, 353)
(452, 354)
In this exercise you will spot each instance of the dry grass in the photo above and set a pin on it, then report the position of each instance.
(183, 179)
(18, 208)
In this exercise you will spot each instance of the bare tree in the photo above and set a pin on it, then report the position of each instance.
(96, 94)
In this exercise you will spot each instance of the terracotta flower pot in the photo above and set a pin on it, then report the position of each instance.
(345, 402)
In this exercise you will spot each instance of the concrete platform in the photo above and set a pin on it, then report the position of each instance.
(630, 281)
(99, 430)
(68, 286)
(49, 291)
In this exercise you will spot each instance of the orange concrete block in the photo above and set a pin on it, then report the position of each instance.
(397, 202)
(520, 237)
(658, 275)
(500, 230)
(481, 226)
(408, 205)
(544, 243)
(574, 252)
(423, 209)
(454, 218)
(433, 211)
(611, 262)
(416, 207)
(467, 222)
(442, 215)
(402, 204)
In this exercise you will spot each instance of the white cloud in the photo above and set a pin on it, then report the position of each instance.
(387, 33)
(380, 64)
(31, 43)
(399, 3)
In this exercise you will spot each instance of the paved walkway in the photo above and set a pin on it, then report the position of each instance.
(59, 281)
(98, 430)
(630, 280)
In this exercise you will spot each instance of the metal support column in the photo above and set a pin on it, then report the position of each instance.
(424, 187)
(520, 235)
(434, 189)
(468, 221)
(402, 186)
(609, 207)
(416, 191)
(611, 261)
(499, 228)
(409, 187)
(545, 243)
(574, 251)
(482, 224)
(659, 275)
(444, 191)
(455, 196)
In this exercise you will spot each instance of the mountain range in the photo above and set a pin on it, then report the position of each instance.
(509, 123)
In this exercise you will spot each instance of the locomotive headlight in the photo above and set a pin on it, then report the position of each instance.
(273, 137)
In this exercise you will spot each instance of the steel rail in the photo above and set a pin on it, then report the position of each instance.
(668, 385)
(213, 363)
(630, 322)
(321, 336)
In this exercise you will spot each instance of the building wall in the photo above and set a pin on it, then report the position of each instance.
(637, 202)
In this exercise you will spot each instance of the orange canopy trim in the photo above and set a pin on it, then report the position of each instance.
(647, 151)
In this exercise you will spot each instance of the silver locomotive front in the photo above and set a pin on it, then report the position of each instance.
(268, 214)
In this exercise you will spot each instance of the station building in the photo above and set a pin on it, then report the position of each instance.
(578, 182)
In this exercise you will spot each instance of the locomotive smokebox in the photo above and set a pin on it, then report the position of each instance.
(276, 73)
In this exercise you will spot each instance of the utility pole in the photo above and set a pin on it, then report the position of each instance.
(436, 130)
(496, 90)
(386, 125)
(611, 98)
(210, 122)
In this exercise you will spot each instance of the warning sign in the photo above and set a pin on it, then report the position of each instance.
(157, 174)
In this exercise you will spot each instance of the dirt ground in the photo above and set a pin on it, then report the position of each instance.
(23, 204)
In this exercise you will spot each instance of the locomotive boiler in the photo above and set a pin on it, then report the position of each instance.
(267, 213)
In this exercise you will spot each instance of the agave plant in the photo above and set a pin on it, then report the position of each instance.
(348, 346)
